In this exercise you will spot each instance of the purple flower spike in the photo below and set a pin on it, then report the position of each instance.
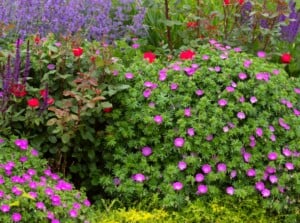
(158, 119)
(206, 168)
(199, 177)
(179, 142)
(272, 156)
(21, 143)
(202, 189)
(182, 165)
(222, 102)
(146, 151)
(177, 185)
(230, 190)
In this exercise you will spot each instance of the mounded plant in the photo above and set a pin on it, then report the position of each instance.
(213, 121)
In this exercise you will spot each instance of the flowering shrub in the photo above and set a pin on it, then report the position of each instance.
(31, 192)
(214, 121)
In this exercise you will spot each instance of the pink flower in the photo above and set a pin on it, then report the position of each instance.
(241, 115)
(247, 63)
(179, 142)
(73, 213)
(259, 132)
(253, 99)
(251, 173)
(199, 177)
(147, 93)
(272, 156)
(289, 166)
(230, 190)
(206, 168)
(146, 151)
(246, 157)
(139, 177)
(266, 192)
(221, 167)
(286, 152)
(174, 86)
(199, 92)
(230, 89)
(297, 90)
(202, 189)
(259, 186)
(187, 112)
(243, 76)
(233, 174)
(283, 124)
(129, 76)
(182, 165)
(261, 54)
(21, 143)
(273, 179)
(16, 217)
(190, 131)
(158, 119)
(177, 185)
(222, 102)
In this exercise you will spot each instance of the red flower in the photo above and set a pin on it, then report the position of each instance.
(77, 52)
(192, 24)
(18, 90)
(149, 56)
(241, 2)
(187, 55)
(37, 39)
(50, 101)
(33, 102)
(226, 2)
(286, 58)
(43, 93)
(107, 110)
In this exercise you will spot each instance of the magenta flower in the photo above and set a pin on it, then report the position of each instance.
(87, 203)
(251, 173)
(199, 92)
(129, 76)
(237, 49)
(272, 156)
(179, 142)
(34, 152)
(40, 205)
(275, 72)
(205, 57)
(162, 74)
(230, 89)
(187, 112)
(242, 99)
(158, 119)
(263, 76)
(233, 174)
(273, 179)
(266, 192)
(222, 102)
(190, 131)
(283, 124)
(177, 185)
(241, 115)
(297, 90)
(261, 54)
(273, 138)
(182, 165)
(246, 157)
(221, 167)
(243, 76)
(253, 99)
(289, 166)
(146, 151)
(173, 86)
(210, 137)
(206, 168)
(139, 177)
(296, 112)
(230, 190)
(247, 63)
(259, 186)
(16, 217)
(147, 93)
(202, 189)
(199, 177)
(21, 143)
(259, 132)
(73, 213)
(286, 152)
(225, 128)
(5, 208)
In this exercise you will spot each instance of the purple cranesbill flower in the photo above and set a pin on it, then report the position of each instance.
(206, 168)
(54, 220)
(271, 128)
(5, 208)
(34, 152)
(270, 170)
(289, 166)
(148, 84)
(272, 156)
(217, 69)
(87, 203)
(49, 191)
(247, 63)
(221, 167)
(31, 172)
(253, 99)
(225, 128)
(233, 174)
(76, 205)
(263, 76)
(63, 185)
(139, 177)
(259, 185)
(51, 66)
(50, 215)
(209, 137)
(199, 177)
(246, 157)
(158, 119)
(275, 72)
(176, 67)
(237, 49)
(233, 84)
(187, 112)
(205, 57)
(296, 112)
(297, 90)
(283, 124)
(135, 45)
(273, 179)
(179, 142)
(273, 138)
(259, 132)
(286, 152)
(55, 200)
(230, 190)
(222, 102)
(173, 86)
(23, 159)
(202, 189)
(261, 54)
(190, 131)
(117, 181)
(199, 92)
(33, 194)
(242, 76)
(147, 93)
(16, 217)
(289, 104)
(266, 192)
(242, 99)
(73, 213)
(2, 193)
(251, 173)
(182, 165)
(241, 115)
(15, 190)
(146, 151)
(230, 89)
(129, 76)
(177, 185)
(21, 143)
(162, 75)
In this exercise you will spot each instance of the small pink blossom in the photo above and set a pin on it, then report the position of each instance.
(146, 151)
(272, 156)
(190, 131)
(158, 119)
(202, 189)
(199, 92)
(230, 89)
(182, 165)
(243, 76)
(261, 54)
(266, 192)
(289, 166)
(129, 76)
(199, 177)
(177, 185)
(222, 102)
(253, 99)
(206, 168)
(241, 115)
(187, 112)
(259, 132)
(179, 142)
(230, 190)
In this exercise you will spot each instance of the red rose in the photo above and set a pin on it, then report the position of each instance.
(149, 56)
(77, 52)
(33, 102)
(286, 58)
(187, 55)
(226, 2)
(107, 110)
(18, 90)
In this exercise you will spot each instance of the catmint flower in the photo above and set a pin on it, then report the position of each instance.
(146, 151)
(179, 142)
(158, 119)
(241, 115)
(222, 102)
(182, 165)
(199, 177)
(202, 189)
(206, 168)
(177, 185)
(230, 190)
(272, 156)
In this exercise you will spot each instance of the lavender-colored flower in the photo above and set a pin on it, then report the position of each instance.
(179, 142)
(129, 75)
(117, 181)
(247, 157)
(73, 213)
(21, 143)
(135, 45)
(221, 167)
(187, 112)
(247, 63)
(16, 217)
(205, 57)
(243, 76)
(251, 173)
(259, 132)
(242, 99)
(222, 102)
(158, 119)
(210, 137)
(173, 86)
(54, 220)
(225, 128)
(199, 177)
(230, 190)
(241, 115)
(217, 69)
(146, 151)
(230, 89)
(259, 186)
(289, 166)
(23, 159)
(206, 168)
(266, 192)
(177, 185)
(199, 92)
(296, 112)
(253, 99)
(275, 72)
(182, 165)
(202, 189)
(51, 66)
(190, 131)
(233, 174)
(139, 177)
(272, 156)
(147, 93)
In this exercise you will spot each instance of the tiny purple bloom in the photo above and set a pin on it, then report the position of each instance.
(202, 189)
(286, 152)
(51, 66)
(173, 86)
(147, 93)
(182, 165)
(251, 173)
(273, 179)
(199, 92)
(253, 99)
(187, 112)
(243, 76)
(205, 57)
(139, 177)
(177, 185)
(146, 151)
(230, 89)
(129, 75)
(259, 132)
(241, 115)
(5, 208)
(230, 190)
(158, 119)
(266, 192)
(179, 142)
(259, 186)
(261, 54)
(206, 168)
(289, 166)
(190, 131)
(272, 156)
(21, 143)
(233, 174)
(222, 102)
(221, 167)
(73, 213)
(16, 217)
(199, 177)
(246, 157)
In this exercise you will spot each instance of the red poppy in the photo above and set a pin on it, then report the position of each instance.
(107, 110)
(33, 102)
(286, 58)
(77, 52)
(192, 24)
(226, 2)
(187, 55)
(149, 56)
(18, 90)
